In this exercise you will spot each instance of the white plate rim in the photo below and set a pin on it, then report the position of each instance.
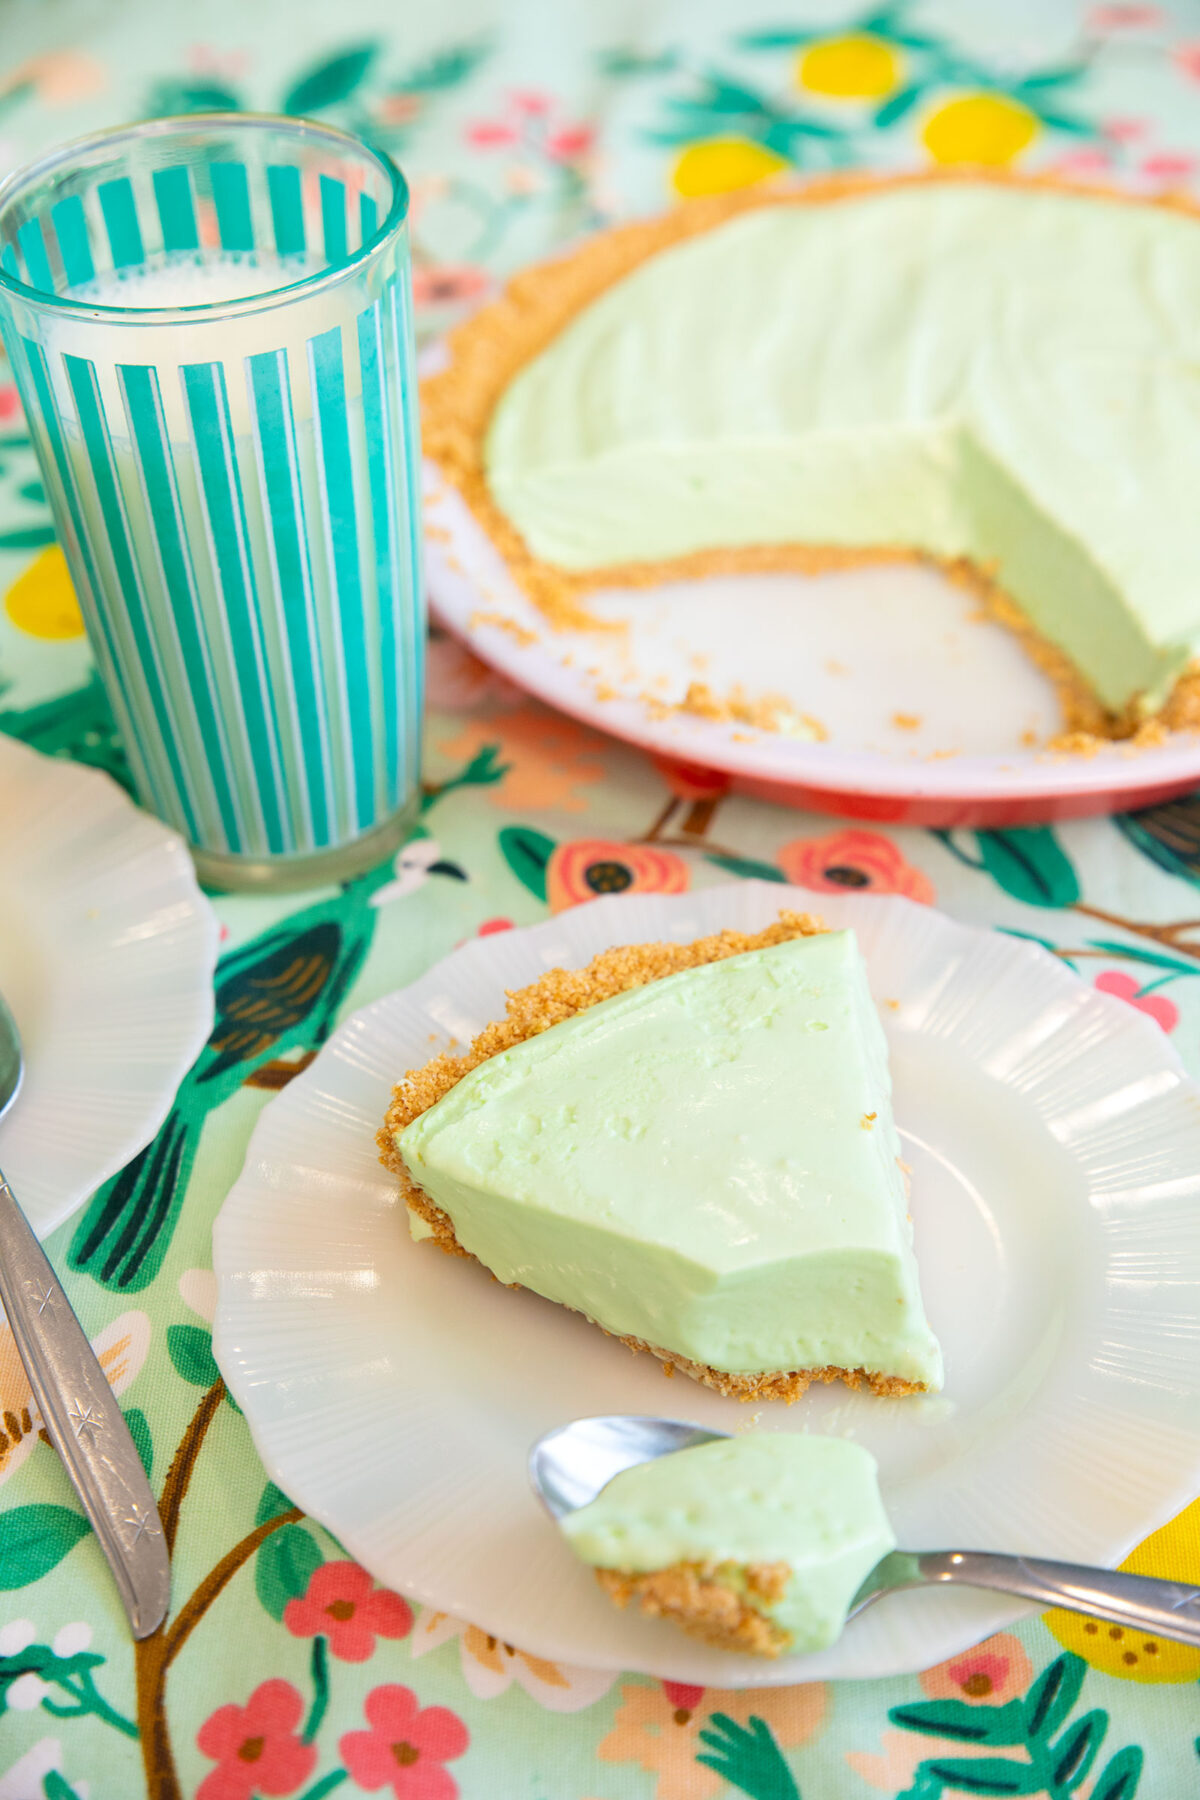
(268, 1173)
(471, 591)
(111, 895)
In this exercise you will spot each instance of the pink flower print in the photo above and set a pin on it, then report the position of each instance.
(995, 1671)
(490, 134)
(1163, 1011)
(1125, 131)
(490, 927)
(1093, 161)
(343, 1604)
(531, 102)
(1167, 166)
(1124, 18)
(572, 142)
(1186, 58)
(255, 1746)
(10, 404)
(406, 1748)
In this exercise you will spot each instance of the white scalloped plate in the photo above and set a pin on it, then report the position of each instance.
(1055, 1142)
(107, 950)
(934, 715)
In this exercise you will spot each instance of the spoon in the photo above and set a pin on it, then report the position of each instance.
(78, 1408)
(568, 1468)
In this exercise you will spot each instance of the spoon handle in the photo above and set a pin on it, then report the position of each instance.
(1137, 1603)
(83, 1421)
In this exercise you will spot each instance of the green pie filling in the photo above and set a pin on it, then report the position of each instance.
(707, 1164)
(811, 1503)
(962, 369)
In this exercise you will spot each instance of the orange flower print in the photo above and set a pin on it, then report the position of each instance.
(549, 758)
(593, 866)
(853, 860)
(658, 1728)
(994, 1671)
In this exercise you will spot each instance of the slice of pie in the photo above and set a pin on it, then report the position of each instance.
(755, 1543)
(693, 1146)
(994, 374)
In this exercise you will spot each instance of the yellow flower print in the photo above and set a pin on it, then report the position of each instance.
(1174, 1554)
(988, 130)
(41, 601)
(859, 66)
(721, 165)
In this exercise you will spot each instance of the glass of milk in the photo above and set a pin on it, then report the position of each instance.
(209, 320)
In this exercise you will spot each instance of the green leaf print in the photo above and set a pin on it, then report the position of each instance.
(1053, 1766)
(54, 1787)
(747, 868)
(1050, 1699)
(1077, 1749)
(987, 1775)
(27, 537)
(444, 69)
(329, 81)
(784, 39)
(748, 1758)
(190, 1350)
(1049, 78)
(527, 853)
(191, 96)
(34, 1540)
(273, 1502)
(283, 1567)
(1133, 953)
(968, 1724)
(900, 103)
(1030, 865)
(1120, 1778)
(1169, 835)
(139, 1431)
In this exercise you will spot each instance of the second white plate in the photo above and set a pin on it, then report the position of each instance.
(107, 950)
(1055, 1143)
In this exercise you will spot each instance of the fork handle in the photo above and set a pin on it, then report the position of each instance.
(1140, 1603)
(83, 1421)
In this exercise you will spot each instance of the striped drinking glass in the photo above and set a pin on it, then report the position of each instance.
(209, 321)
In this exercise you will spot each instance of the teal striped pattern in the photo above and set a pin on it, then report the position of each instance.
(243, 532)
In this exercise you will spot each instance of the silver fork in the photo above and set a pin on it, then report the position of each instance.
(568, 1467)
(78, 1407)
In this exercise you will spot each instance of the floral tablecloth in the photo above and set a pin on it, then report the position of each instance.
(285, 1670)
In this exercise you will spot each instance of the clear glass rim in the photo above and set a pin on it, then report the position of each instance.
(178, 123)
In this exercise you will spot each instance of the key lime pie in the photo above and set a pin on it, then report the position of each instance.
(757, 1543)
(1001, 376)
(693, 1146)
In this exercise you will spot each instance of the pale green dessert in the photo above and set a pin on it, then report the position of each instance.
(706, 1166)
(970, 370)
(756, 1543)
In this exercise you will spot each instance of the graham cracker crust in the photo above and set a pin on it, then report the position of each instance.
(491, 347)
(556, 996)
(694, 1597)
